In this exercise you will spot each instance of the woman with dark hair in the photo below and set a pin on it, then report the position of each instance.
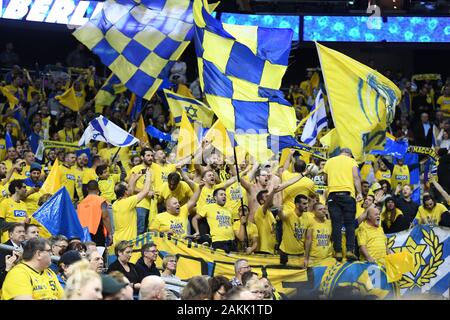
(123, 251)
(219, 286)
(392, 218)
(77, 246)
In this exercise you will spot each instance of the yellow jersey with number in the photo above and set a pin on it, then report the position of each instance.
(22, 280)
(220, 221)
(321, 241)
(177, 224)
(294, 232)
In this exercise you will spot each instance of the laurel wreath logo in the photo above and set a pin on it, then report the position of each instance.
(429, 271)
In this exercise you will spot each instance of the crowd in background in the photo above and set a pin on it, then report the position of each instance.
(286, 208)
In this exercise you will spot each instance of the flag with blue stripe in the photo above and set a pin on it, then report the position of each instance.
(315, 122)
(102, 129)
(397, 149)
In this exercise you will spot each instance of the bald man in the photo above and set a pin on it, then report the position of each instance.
(152, 288)
(371, 238)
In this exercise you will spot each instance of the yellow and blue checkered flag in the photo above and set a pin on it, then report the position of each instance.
(195, 110)
(240, 71)
(139, 40)
(362, 102)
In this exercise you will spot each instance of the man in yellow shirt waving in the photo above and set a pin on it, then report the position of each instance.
(32, 279)
(371, 238)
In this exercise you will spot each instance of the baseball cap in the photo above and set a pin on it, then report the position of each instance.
(110, 285)
(70, 257)
(376, 186)
(35, 166)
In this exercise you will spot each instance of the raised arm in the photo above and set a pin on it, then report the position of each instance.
(290, 182)
(440, 190)
(147, 185)
(193, 200)
(186, 178)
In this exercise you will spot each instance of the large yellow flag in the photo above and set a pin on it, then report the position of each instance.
(69, 99)
(362, 101)
(53, 181)
(398, 264)
(11, 98)
(187, 139)
(141, 134)
(219, 139)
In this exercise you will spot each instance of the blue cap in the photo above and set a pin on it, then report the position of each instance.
(35, 166)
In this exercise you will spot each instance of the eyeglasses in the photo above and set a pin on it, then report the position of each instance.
(47, 250)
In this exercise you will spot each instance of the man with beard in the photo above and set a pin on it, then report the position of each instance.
(33, 184)
(148, 204)
(69, 174)
(14, 209)
(80, 169)
(371, 238)
(405, 203)
(162, 169)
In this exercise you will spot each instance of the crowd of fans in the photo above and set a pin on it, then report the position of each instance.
(302, 206)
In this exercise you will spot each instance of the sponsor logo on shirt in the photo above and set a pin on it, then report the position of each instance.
(20, 213)
(70, 177)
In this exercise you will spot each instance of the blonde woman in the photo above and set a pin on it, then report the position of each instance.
(83, 283)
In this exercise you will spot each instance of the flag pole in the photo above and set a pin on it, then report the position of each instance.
(242, 199)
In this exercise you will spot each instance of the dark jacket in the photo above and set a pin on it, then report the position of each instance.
(409, 208)
(132, 276)
(144, 271)
(3, 255)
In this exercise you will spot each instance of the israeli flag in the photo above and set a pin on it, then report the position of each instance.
(101, 129)
(316, 122)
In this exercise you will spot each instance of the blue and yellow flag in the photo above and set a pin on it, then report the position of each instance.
(107, 93)
(195, 110)
(362, 101)
(139, 40)
(12, 99)
(240, 71)
(187, 139)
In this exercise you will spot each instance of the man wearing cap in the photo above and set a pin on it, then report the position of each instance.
(67, 259)
(33, 184)
(111, 288)
(342, 176)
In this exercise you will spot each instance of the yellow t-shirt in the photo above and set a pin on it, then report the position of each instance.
(88, 175)
(107, 187)
(23, 280)
(182, 192)
(321, 241)
(340, 174)
(206, 196)
(125, 219)
(146, 202)
(431, 216)
(400, 176)
(444, 104)
(18, 176)
(160, 174)
(68, 135)
(252, 232)
(13, 211)
(385, 216)
(220, 221)
(266, 225)
(294, 232)
(233, 203)
(383, 175)
(8, 163)
(165, 222)
(374, 239)
(304, 186)
(32, 201)
(123, 155)
(69, 179)
(79, 182)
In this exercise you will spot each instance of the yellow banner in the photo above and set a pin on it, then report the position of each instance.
(194, 260)
(59, 144)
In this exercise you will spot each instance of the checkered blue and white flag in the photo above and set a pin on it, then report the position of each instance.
(316, 122)
(101, 129)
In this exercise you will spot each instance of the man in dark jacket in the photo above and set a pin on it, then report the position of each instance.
(145, 266)
(404, 202)
(16, 232)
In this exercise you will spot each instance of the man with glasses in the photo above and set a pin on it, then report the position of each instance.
(58, 244)
(146, 266)
(240, 267)
(32, 279)
(14, 209)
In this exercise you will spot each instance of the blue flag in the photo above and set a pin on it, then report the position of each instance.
(8, 141)
(397, 149)
(412, 161)
(155, 133)
(34, 141)
(59, 216)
